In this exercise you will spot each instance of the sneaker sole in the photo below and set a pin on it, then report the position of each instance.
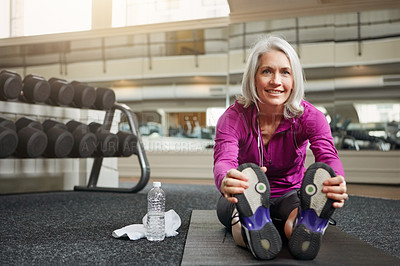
(263, 239)
(316, 209)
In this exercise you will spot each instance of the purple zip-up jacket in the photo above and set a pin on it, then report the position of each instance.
(236, 142)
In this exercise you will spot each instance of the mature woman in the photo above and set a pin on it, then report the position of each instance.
(267, 130)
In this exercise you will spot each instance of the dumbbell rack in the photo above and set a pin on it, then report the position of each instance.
(58, 92)
(144, 165)
(98, 161)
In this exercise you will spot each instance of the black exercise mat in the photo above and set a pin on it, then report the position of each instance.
(207, 244)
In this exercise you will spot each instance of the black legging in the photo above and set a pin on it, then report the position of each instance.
(280, 209)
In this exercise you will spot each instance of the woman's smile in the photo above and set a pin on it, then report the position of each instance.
(274, 91)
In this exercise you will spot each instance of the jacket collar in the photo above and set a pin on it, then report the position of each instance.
(284, 125)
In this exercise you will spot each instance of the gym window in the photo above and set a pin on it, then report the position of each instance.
(26, 18)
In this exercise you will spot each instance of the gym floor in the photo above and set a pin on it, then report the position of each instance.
(365, 190)
(74, 227)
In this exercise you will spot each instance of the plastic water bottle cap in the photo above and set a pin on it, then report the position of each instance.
(156, 184)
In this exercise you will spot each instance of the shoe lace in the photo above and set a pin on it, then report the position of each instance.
(235, 215)
(226, 231)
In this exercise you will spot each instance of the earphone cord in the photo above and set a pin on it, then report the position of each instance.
(295, 140)
(260, 151)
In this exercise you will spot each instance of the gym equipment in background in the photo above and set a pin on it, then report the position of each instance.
(35, 89)
(107, 142)
(127, 144)
(84, 140)
(105, 99)
(84, 95)
(32, 141)
(61, 93)
(141, 155)
(60, 140)
(8, 138)
(52, 139)
(10, 85)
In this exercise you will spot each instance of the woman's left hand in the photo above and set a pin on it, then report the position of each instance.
(335, 188)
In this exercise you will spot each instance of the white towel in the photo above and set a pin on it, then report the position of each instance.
(137, 231)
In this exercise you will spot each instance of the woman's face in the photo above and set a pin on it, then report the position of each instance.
(274, 78)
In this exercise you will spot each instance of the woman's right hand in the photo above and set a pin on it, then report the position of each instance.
(234, 182)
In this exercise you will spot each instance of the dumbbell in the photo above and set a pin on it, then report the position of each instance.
(84, 95)
(127, 144)
(105, 98)
(107, 142)
(60, 140)
(35, 89)
(32, 141)
(10, 85)
(61, 92)
(84, 140)
(8, 138)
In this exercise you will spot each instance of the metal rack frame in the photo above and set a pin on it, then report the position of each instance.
(144, 165)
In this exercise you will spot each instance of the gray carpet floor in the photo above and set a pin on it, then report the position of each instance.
(75, 228)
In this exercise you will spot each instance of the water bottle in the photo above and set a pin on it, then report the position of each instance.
(156, 213)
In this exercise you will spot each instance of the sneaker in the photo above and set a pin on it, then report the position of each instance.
(314, 213)
(259, 233)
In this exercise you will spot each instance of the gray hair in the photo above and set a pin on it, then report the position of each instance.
(249, 95)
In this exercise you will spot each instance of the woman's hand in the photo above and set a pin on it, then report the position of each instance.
(335, 188)
(235, 182)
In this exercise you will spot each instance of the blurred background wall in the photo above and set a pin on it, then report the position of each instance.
(178, 64)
